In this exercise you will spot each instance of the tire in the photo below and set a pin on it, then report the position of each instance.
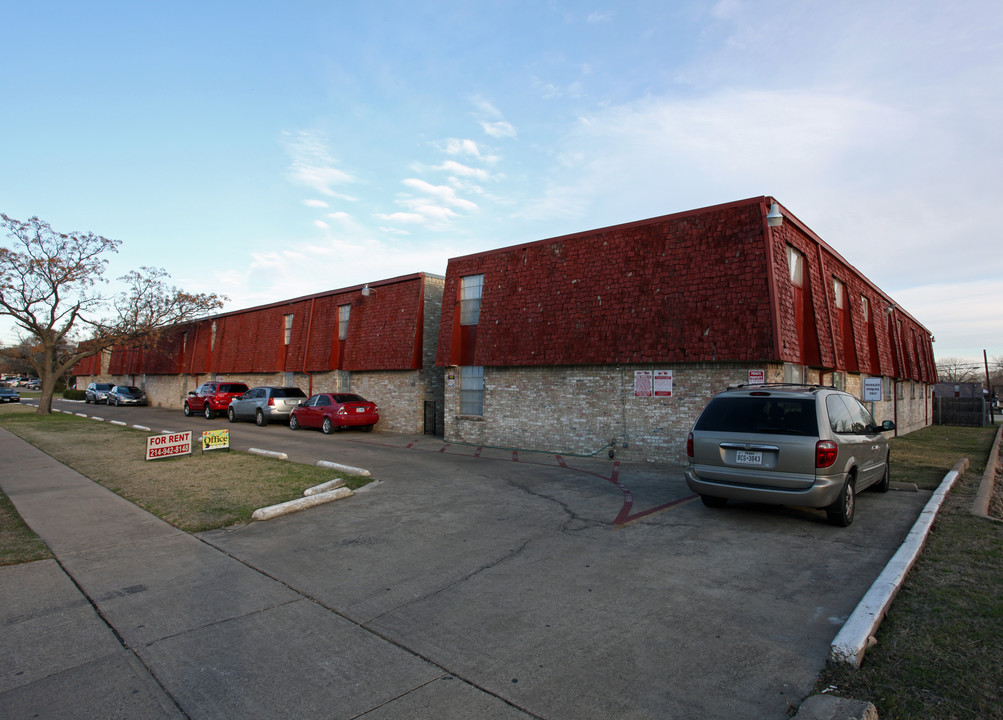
(231, 415)
(367, 428)
(712, 501)
(207, 411)
(259, 419)
(188, 410)
(294, 424)
(87, 400)
(327, 427)
(885, 483)
(840, 513)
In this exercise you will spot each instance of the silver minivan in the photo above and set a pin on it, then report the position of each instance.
(803, 445)
(265, 404)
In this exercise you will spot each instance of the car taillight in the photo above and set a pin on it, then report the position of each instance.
(343, 411)
(271, 402)
(689, 445)
(825, 453)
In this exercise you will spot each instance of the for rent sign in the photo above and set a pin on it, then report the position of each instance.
(168, 445)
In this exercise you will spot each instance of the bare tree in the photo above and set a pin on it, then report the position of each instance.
(957, 370)
(50, 286)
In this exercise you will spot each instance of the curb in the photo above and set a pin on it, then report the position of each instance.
(830, 707)
(344, 468)
(268, 453)
(274, 511)
(324, 487)
(987, 485)
(857, 634)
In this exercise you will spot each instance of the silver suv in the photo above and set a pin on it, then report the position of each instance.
(802, 445)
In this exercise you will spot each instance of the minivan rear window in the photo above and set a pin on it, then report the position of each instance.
(760, 415)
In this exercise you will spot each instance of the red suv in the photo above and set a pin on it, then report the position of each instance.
(212, 397)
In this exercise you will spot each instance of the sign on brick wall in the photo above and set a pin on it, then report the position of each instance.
(652, 383)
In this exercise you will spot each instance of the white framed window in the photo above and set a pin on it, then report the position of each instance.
(794, 373)
(288, 328)
(838, 289)
(212, 340)
(344, 313)
(471, 391)
(795, 264)
(471, 287)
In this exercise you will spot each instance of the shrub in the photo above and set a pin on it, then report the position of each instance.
(73, 394)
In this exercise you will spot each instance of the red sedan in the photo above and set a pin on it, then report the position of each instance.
(334, 411)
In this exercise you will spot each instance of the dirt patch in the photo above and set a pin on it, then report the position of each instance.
(996, 501)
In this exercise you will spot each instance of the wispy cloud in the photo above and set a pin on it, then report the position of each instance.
(458, 146)
(492, 121)
(312, 165)
(463, 171)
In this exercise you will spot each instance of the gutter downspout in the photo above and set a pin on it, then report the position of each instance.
(306, 347)
(771, 284)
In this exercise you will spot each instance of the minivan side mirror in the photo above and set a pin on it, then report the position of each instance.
(887, 425)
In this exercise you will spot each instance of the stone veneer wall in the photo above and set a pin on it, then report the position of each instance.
(588, 409)
(400, 394)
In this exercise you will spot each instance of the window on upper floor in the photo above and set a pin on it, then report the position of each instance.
(287, 328)
(344, 312)
(470, 299)
(795, 264)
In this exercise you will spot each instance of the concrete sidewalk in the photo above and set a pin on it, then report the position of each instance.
(110, 627)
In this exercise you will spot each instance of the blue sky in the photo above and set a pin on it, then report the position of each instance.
(269, 150)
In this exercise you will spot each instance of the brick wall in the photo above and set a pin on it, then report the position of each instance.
(680, 288)
(585, 410)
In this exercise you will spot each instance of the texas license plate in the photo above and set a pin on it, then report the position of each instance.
(360, 409)
(748, 457)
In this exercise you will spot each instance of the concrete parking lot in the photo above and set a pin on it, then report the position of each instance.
(480, 582)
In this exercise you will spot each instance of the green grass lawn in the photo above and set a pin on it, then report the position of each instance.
(194, 493)
(939, 654)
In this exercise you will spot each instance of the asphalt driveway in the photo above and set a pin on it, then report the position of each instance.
(553, 587)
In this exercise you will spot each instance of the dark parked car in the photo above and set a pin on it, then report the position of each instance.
(213, 397)
(9, 395)
(265, 404)
(126, 395)
(97, 392)
(334, 411)
(808, 446)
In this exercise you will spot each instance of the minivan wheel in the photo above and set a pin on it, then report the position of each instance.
(712, 501)
(259, 419)
(231, 415)
(840, 513)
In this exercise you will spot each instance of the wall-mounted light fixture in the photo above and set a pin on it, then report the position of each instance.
(774, 219)
(890, 308)
(365, 290)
